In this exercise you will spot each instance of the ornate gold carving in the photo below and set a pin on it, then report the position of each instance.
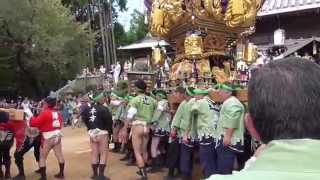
(184, 69)
(181, 70)
(158, 56)
(203, 67)
(241, 13)
(193, 45)
(182, 57)
(215, 42)
(250, 53)
(158, 17)
(180, 46)
(214, 9)
(171, 19)
(220, 75)
(169, 11)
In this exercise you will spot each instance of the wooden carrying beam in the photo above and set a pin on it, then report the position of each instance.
(14, 114)
(242, 95)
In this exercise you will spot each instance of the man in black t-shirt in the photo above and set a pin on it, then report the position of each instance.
(98, 121)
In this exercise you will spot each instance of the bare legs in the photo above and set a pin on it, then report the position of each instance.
(115, 135)
(99, 154)
(154, 146)
(48, 145)
(140, 138)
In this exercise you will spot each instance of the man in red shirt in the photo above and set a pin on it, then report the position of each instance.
(49, 122)
(9, 130)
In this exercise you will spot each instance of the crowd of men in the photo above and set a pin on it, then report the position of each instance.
(282, 115)
(213, 130)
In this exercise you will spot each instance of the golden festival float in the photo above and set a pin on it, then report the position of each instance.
(210, 39)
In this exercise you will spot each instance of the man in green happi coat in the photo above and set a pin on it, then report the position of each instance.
(161, 126)
(180, 128)
(284, 101)
(230, 129)
(119, 101)
(140, 113)
(203, 126)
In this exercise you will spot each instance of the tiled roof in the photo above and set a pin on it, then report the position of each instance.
(292, 45)
(283, 6)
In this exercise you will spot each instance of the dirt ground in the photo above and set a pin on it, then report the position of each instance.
(77, 155)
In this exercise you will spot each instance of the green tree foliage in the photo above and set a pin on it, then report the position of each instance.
(41, 45)
(138, 28)
(120, 34)
(77, 5)
(91, 11)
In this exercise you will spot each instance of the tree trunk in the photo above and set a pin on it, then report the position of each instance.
(30, 78)
(114, 48)
(91, 55)
(107, 38)
(102, 35)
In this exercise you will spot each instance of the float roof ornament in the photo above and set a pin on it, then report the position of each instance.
(171, 19)
(272, 7)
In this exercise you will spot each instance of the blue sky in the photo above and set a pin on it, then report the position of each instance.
(125, 17)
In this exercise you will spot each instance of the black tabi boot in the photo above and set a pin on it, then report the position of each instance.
(123, 148)
(37, 171)
(43, 173)
(21, 175)
(117, 147)
(162, 160)
(126, 157)
(7, 174)
(101, 176)
(170, 178)
(132, 160)
(60, 175)
(183, 177)
(171, 175)
(154, 165)
(95, 171)
(143, 173)
(171, 172)
(1, 172)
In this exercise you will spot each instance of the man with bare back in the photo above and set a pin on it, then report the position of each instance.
(140, 113)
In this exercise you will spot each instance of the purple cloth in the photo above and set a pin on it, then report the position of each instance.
(148, 5)
(224, 5)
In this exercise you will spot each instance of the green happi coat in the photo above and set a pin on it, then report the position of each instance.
(119, 111)
(162, 116)
(232, 116)
(205, 118)
(294, 159)
(113, 110)
(177, 118)
(183, 117)
(145, 106)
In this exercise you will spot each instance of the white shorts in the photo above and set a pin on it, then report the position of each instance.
(93, 133)
(52, 134)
